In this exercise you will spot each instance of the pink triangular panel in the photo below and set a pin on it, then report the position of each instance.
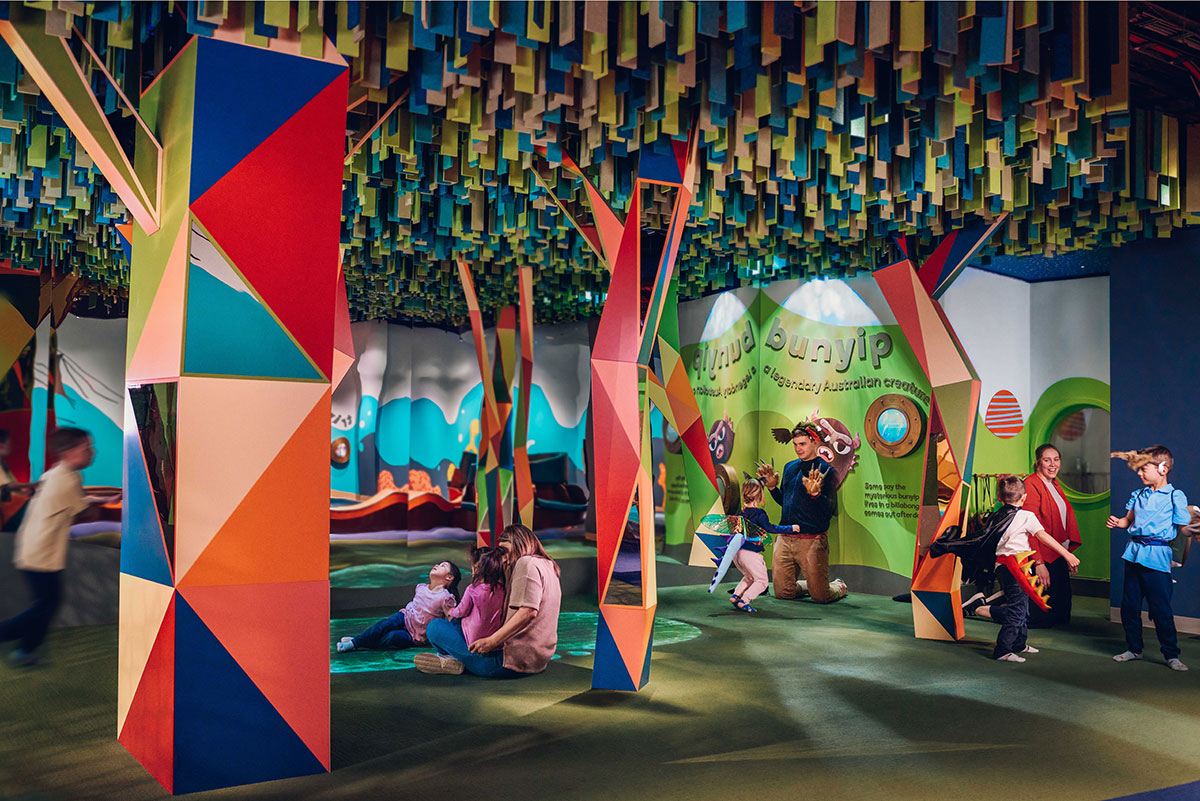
(159, 351)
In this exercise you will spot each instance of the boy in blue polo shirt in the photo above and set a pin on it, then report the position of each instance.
(1153, 513)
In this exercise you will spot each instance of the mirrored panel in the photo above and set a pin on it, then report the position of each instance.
(625, 588)
(154, 409)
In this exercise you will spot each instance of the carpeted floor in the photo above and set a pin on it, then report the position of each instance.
(798, 701)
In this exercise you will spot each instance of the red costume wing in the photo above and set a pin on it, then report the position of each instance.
(1022, 568)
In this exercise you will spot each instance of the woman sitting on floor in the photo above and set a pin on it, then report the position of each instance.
(525, 643)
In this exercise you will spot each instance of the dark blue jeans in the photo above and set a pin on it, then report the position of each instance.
(31, 625)
(1155, 587)
(449, 641)
(388, 633)
(1011, 615)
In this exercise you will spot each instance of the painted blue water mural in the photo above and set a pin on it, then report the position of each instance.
(419, 431)
(73, 410)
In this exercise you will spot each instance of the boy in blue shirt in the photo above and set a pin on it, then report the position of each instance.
(1152, 514)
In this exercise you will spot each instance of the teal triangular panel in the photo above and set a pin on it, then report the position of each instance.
(229, 333)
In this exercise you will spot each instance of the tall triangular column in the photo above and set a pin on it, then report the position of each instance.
(224, 623)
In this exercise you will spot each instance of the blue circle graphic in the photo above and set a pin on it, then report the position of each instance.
(892, 426)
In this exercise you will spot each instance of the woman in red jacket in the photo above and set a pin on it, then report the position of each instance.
(1045, 498)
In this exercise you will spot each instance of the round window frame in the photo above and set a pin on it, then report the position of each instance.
(1055, 410)
(916, 429)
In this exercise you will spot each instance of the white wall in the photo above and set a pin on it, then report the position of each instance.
(1070, 323)
(991, 316)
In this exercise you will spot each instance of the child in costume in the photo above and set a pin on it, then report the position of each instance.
(756, 528)
(1013, 550)
(1151, 515)
(480, 613)
(406, 628)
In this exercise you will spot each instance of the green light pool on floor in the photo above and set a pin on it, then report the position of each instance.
(576, 637)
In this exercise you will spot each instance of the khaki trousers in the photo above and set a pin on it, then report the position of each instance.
(807, 556)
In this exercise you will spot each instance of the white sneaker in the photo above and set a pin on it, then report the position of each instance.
(346, 639)
(1175, 664)
(1029, 649)
(1126, 656)
(1010, 658)
(345, 646)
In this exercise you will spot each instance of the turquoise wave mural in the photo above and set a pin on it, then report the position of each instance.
(421, 432)
(73, 410)
(344, 477)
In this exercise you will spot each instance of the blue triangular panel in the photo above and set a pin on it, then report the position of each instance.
(243, 95)
(230, 333)
(143, 553)
(226, 731)
(608, 668)
(939, 605)
(714, 542)
(658, 166)
(646, 664)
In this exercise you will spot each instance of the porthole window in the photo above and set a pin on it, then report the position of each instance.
(1083, 438)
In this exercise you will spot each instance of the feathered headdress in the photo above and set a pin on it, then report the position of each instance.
(783, 435)
(1135, 459)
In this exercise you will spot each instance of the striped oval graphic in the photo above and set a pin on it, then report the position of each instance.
(1003, 416)
(1072, 427)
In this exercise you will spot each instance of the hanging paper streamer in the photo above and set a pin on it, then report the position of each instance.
(825, 129)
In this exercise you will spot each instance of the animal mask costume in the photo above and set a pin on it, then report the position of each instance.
(835, 444)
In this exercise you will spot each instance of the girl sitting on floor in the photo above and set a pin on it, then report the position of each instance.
(481, 611)
(406, 628)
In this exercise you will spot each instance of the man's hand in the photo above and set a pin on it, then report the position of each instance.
(813, 481)
(768, 475)
(1043, 574)
(483, 645)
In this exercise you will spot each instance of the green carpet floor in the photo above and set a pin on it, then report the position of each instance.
(798, 701)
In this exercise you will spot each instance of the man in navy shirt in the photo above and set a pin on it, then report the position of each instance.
(807, 494)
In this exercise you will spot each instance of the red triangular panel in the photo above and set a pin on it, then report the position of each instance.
(149, 732)
(291, 258)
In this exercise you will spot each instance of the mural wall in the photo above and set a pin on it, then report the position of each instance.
(91, 385)
(410, 406)
(765, 358)
(768, 357)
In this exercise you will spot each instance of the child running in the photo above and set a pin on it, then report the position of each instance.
(1013, 614)
(406, 628)
(749, 558)
(1152, 513)
(481, 612)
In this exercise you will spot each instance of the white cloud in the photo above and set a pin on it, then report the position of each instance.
(725, 312)
(830, 301)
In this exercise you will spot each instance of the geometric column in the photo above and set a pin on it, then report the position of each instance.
(912, 296)
(224, 622)
(623, 384)
(494, 461)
